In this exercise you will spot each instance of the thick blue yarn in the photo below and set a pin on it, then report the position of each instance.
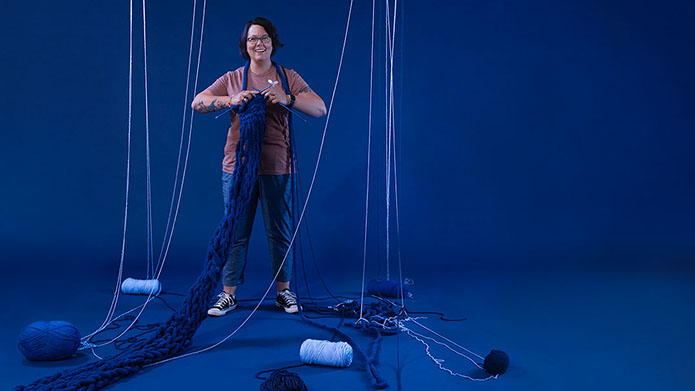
(177, 332)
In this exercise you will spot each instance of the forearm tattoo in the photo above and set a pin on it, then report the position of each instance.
(207, 108)
(305, 89)
(212, 105)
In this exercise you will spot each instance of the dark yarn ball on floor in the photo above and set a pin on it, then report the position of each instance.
(387, 288)
(282, 380)
(496, 362)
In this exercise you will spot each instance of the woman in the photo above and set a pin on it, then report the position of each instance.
(258, 43)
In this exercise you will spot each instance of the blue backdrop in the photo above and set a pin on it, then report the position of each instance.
(545, 177)
(534, 132)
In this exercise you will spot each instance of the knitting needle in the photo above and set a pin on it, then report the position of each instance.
(229, 109)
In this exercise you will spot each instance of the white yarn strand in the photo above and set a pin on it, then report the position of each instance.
(150, 251)
(398, 223)
(390, 32)
(395, 171)
(421, 338)
(161, 265)
(446, 339)
(392, 153)
(369, 154)
(190, 135)
(117, 290)
(387, 109)
(167, 233)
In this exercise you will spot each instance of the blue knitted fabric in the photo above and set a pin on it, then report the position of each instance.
(176, 334)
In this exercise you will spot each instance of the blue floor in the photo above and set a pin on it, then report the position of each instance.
(576, 328)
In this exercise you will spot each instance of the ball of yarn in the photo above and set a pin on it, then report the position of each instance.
(334, 354)
(496, 362)
(282, 380)
(387, 288)
(49, 340)
(134, 286)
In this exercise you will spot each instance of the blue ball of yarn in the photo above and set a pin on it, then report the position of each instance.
(496, 362)
(49, 340)
(282, 380)
(387, 288)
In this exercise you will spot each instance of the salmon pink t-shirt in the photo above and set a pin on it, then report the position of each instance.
(276, 144)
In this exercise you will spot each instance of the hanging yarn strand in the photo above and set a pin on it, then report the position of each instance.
(387, 173)
(150, 252)
(117, 290)
(369, 160)
(167, 233)
(142, 286)
(176, 334)
(392, 151)
(190, 134)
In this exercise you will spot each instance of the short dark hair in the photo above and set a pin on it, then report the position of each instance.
(269, 28)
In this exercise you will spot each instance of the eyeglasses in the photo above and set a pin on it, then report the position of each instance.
(253, 40)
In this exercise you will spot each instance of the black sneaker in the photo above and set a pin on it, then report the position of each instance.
(287, 301)
(225, 303)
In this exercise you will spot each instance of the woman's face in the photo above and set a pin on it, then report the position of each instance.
(258, 43)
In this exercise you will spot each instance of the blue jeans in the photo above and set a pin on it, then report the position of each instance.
(275, 194)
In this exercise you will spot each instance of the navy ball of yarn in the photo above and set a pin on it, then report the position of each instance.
(387, 288)
(282, 380)
(496, 362)
(49, 340)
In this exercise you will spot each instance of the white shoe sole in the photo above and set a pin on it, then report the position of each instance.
(216, 312)
(289, 310)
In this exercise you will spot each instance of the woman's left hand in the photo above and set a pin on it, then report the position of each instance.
(275, 94)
